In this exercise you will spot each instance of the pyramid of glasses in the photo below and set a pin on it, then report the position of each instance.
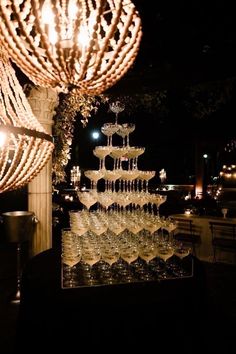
(125, 189)
(123, 186)
(124, 239)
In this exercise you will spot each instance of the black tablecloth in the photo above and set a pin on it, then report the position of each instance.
(125, 312)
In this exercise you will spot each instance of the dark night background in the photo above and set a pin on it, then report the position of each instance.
(186, 47)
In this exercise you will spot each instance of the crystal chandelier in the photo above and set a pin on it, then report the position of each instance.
(84, 44)
(24, 145)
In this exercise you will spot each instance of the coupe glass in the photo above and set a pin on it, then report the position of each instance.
(117, 153)
(181, 252)
(147, 252)
(106, 199)
(101, 152)
(169, 225)
(133, 152)
(129, 249)
(164, 252)
(88, 198)
(224, 212)
(91, 254)
(158, 199)
(71, 255)
(117, 107)
(128, 177)
(124, 131)
(94, 176)
(111, 176)
(109, 129)
(110, 255)
(78, 222)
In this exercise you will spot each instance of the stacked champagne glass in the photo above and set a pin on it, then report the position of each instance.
(124, 238)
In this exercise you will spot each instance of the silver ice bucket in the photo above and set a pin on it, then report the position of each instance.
(18, 226)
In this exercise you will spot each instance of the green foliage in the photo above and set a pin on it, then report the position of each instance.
(72, 106)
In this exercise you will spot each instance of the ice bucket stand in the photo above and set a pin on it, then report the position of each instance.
(18, 227)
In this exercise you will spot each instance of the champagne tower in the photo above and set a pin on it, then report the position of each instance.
(116, 241)
(123, 187)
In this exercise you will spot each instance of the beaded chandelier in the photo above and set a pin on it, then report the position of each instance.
(25, 147)
(84, 44)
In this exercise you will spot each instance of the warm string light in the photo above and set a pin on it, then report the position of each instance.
(83, 44)
(228, 172)
(24, 145)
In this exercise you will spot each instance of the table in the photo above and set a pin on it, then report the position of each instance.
(118, 312)
(204, 250)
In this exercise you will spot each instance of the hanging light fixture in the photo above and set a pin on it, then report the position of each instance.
(24, 145)
(84, 44)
